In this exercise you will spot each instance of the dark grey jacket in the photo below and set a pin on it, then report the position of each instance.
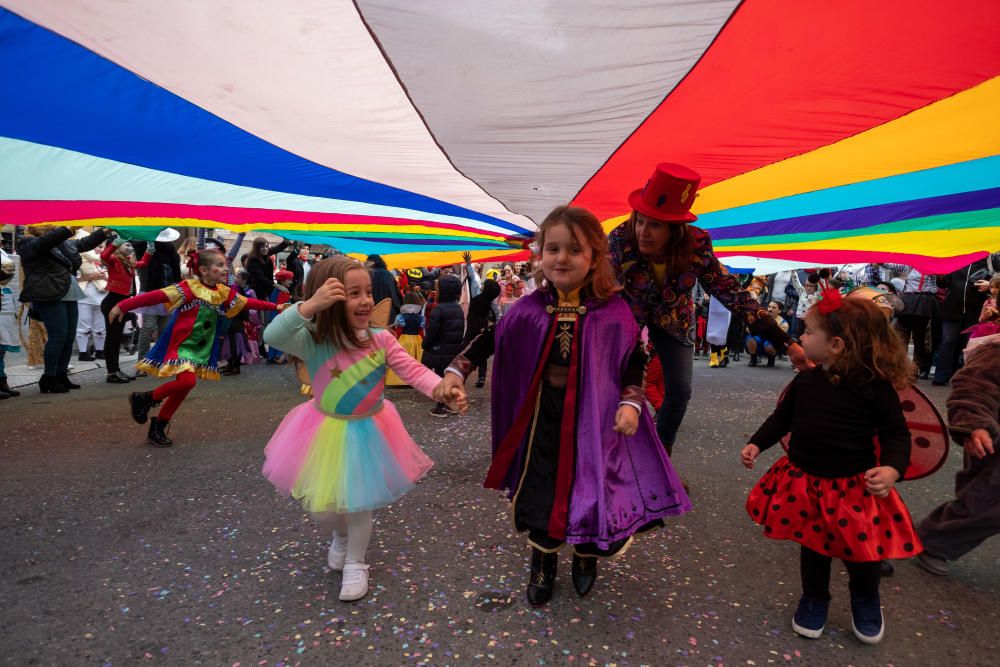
(51, 261)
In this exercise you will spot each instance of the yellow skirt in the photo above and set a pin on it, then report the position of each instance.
(413, 344)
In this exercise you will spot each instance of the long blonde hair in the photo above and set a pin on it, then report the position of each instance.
(331, 325)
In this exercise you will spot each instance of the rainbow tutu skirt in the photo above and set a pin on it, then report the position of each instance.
(343, 464)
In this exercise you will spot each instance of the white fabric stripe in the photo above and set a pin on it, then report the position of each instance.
(530, 98)
(303, 75)
(35, 171)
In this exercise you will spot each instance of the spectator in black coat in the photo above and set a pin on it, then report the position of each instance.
(384, 285)
(959, 311)
(162, 269)
(444, 331)
(260, 266)
(481, 315)
(50, 258)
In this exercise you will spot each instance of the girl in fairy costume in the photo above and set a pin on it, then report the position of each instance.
(572, 443)
(188, 348)
(345, 452)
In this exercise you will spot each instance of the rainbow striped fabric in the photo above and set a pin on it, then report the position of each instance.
(824, 132)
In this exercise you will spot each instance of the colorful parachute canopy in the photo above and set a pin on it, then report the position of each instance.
(825, 132)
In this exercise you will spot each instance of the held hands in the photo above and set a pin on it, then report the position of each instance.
(451, 390)
(328, 294)
(879, 481)
(627, 420)
(749, 454)
(798, 357)
(979, 444)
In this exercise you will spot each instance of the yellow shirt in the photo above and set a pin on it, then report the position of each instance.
(659, 273)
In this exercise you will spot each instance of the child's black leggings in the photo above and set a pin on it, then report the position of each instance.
(815, 568)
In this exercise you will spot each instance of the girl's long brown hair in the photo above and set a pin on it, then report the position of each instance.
(257, 249)
(872, 348)
(585, 227)
(330, 325)
(680, 244)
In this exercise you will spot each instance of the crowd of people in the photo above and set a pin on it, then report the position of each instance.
(593, 343)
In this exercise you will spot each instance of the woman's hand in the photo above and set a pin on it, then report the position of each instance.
(798, 357)
(749, 454)
(982, 285)
(879, 481)
(115, 314)
(467, 257)
(979, 443)
(328, 294)
(627, 420)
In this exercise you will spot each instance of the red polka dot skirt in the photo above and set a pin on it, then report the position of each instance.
(833, 516)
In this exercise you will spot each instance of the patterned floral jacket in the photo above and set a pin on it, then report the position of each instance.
(672, 308)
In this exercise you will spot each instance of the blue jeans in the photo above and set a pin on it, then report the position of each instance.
(948, 351)
(677, 361)
(59, 318)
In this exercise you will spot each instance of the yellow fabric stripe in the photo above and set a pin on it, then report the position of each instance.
(958, 128)
(936, 243)
(409, 260)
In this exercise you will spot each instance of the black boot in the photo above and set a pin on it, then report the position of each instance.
(50, 384)
(65, 381)
(99, 354)
(86, 356)
(753, 361)
(141, 403)
(543, 577)
(770, 362)
(158, 432)
(584, 573)
(5, 388)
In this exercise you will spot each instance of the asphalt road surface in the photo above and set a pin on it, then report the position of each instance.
(116, 553)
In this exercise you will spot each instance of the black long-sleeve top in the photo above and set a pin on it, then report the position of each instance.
(832, 425)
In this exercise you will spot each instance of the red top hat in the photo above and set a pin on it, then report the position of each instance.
(668, 194)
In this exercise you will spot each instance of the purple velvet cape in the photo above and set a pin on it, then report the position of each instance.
(620, 483)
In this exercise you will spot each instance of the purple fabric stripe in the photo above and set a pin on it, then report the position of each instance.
(859, 218)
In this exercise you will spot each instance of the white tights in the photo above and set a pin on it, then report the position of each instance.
(357, 526)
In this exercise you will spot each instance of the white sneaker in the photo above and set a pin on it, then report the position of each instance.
(355, 584)
(337, 555)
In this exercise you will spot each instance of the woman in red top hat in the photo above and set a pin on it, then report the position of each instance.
(659, 256)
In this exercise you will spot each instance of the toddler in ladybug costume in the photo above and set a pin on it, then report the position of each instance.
(834, 493)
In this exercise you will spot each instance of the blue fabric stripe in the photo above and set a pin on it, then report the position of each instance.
(382, 247)
(60, 94)
(980, 174)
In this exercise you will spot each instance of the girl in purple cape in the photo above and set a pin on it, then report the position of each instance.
(573, 445)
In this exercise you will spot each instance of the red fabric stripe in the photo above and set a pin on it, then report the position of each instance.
(504, 455)
(567, 447)
(922, 263)
(785, 78)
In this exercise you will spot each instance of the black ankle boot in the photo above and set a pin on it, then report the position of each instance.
(584, 573)
(543, 577)
(770, 362)
(50, 384)
(65, 381)
(5, 388)
(753, 361)
(158, 432)
(141, 403)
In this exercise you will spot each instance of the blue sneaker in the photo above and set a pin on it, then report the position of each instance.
(866, 619)
(810, 617)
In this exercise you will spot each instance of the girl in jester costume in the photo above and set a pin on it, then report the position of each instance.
(188, 348)
(345, 451)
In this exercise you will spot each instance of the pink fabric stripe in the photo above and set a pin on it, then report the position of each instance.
(923, 263)
(369, 401)
(27, 212)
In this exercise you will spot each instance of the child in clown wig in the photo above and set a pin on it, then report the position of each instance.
(189, 346)
(345, 452)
